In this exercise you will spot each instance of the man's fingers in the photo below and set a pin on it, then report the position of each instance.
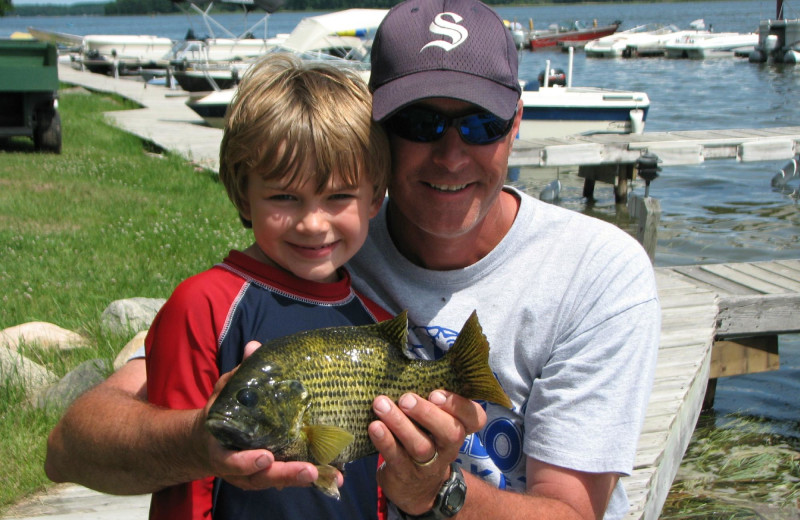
(470, 414)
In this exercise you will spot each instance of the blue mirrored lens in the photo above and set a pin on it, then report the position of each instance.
(422, 125)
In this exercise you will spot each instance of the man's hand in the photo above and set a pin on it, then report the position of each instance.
(418, 440)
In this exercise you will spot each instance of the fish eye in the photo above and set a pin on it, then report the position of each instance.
(247, 397)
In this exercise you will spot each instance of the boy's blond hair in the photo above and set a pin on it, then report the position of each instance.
(287, 113)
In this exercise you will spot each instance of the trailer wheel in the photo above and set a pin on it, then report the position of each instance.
(47, 135)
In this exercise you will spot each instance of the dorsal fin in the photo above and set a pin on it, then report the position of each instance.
(395, 331)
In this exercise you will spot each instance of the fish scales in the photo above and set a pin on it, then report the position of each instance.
(308, 396)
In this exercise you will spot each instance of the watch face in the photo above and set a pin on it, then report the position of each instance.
(454, 500)
(453, 494)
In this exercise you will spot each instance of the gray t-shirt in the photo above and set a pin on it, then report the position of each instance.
(570, 308)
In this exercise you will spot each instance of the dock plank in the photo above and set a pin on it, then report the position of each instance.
(738, 276)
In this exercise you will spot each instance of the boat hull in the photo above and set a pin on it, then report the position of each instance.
(563, 111)
(547, 113)
(778, 41)
(698, 48)
(552, 39)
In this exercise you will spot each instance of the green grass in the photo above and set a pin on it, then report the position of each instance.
(108, 218)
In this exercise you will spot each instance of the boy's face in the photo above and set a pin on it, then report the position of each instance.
(306, 233)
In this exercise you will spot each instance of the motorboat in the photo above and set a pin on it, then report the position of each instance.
(212, 106)
(711, 45)
(549, 110)
(556, 110)
(778, 39)
(117, 54)
(110, 53)
(342, 34)
(614, 45)
(647, 45)
(576, 31)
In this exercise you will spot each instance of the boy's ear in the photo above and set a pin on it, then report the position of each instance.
(244, 210)
(377, 202)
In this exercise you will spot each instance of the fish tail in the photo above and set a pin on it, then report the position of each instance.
(469, 357)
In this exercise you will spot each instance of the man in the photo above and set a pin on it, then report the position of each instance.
(568, 303)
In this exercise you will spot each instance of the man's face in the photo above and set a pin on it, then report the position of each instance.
(446, 187)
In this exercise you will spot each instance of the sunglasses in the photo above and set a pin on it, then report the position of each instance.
(423, 125)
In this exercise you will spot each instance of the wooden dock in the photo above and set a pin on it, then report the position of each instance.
(717, 320)
(712, 315)
(672, 148)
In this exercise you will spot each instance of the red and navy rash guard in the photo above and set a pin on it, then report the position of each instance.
(200, 333)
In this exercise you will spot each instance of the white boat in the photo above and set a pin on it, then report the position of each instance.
(778, 39)
(560, 110)
(655, 44)
(614, 45)
(702, 46)
(550, 111)
(212, 106)
(111, 53)
(342, 34)
(123, 53)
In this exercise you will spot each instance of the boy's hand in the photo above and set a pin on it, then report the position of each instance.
(252, 469)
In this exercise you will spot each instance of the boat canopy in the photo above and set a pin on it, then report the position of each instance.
(351, 22)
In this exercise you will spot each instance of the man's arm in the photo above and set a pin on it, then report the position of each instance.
(112, 440)
(553, 492)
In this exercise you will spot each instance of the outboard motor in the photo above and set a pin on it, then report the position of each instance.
(556, 77)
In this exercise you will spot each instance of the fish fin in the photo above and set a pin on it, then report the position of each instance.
(326, 482)
(326, 442)
(469, 357)
(395, 331)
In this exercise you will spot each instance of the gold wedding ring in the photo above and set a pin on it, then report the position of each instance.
(429, 461)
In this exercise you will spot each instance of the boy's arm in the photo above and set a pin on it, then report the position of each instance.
(112, 440)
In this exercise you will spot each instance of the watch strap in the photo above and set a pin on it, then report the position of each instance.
(449, 500)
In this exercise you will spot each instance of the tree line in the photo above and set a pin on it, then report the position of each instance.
(138, 7)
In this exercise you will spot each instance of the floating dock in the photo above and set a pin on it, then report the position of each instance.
(717, 320)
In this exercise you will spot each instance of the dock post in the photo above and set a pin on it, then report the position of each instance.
(647, 212)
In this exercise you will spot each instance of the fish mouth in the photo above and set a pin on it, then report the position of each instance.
(230, 434)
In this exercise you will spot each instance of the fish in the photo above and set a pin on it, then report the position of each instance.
(308, 396)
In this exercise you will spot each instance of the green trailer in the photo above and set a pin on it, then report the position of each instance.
(29, 92)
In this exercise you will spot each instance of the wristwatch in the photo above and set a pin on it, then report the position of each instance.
(449, 500)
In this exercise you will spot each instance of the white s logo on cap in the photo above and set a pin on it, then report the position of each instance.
(451, 30)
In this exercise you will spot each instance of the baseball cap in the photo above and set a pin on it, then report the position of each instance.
(457, 49)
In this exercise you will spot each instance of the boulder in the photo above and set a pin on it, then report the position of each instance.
(18, 369)
(132, 314)
(44, 334)
(83, 377)
(128, 350)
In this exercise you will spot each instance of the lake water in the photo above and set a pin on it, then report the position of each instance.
(719, 211)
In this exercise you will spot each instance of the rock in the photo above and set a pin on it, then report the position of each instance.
(41, 333)
(83, 377)
(17, 368)
(132, 314)
(127, 351)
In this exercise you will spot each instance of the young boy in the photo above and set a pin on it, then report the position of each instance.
(306, 168)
